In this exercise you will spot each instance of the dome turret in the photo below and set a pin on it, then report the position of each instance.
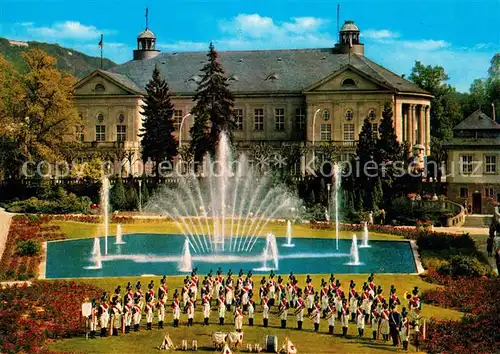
(146, 44)
(349, 39)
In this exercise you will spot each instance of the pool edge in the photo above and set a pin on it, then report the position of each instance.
(416, 257)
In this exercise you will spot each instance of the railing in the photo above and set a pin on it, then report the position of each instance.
(457, 210)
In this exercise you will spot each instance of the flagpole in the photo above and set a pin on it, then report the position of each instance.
(102, 45)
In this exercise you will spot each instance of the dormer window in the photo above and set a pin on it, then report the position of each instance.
(348, 83)
(99, 88)
(233, 78)
(272, 76)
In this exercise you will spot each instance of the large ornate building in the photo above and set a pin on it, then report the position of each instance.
(311, 96)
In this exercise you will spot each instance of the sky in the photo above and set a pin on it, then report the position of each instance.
(462, 36)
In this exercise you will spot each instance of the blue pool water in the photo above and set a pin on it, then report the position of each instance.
(160, 254)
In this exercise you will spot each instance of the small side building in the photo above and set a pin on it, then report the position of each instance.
(473, 163)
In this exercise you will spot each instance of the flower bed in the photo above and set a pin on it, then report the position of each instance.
(29, 315)
(23, 228)
(478, 331)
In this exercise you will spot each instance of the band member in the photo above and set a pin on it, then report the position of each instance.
(360, 318)
(239, 281)
(206, 307)
(271, 286)
(331, 314)
(281, 289)
(149, 309)
(244, 297)
(371, 285)
(251, 311)
(265, 310)
(384, 323)
(162, 303)
(136, 314)
(138, 294)
(129, 295)
(104, 314)
(283, 310)
(262, 289)
(309, 293)
(405, 330)
(393, 299)
(367, 299)
(185, 292)
(127, 316)
(238, 318)
(324, 296)
(163, 289)
(344, 317)
(249, 280)
(176, 309)
(221, 304)
(316, 315)
(299, 310)
(190, 310)
(229, 293)
(194, 283)
(353, 300)
(116, 312)
(93, 319)
(375, 320)
(219, 282)
(338, 297)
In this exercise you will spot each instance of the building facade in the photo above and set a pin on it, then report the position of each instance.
(314, 97)
(473, 174)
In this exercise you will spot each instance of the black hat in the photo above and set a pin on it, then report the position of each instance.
(151, 285)
(393, 289)
(138, 285)
(249, 274)
(210, 273)
(337, 283)
(240, 273)
(163, 280)
(415, 290)
(118, 290)
(104, 297)
(129, 286)
(352, 285)
(379, 290)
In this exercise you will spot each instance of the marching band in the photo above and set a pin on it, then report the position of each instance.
(368, 307)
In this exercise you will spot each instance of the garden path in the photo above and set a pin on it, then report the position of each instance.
(5, 219)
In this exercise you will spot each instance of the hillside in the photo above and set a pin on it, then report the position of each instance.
(72, 61)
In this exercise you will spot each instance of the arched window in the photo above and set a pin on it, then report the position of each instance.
(348, 83)
(100, 117)
(348, 114)
(372, 114)
(325, 114)
(99, 88)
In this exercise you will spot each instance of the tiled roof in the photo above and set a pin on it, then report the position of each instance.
(477, 121)
(483, 142)
(124, 80)
(290, 70)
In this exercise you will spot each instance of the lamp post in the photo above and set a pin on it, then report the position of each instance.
(314, 135)
(328, 187)
(140, 196)
(180, 130)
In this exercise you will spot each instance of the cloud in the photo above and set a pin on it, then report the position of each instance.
(304, 24)
(379, 34)
(64, 30)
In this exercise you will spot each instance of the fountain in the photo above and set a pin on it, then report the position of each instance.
(354, 256)
(186, 263)
(96, 257)
(226, 210)
(338, 174)
(270, 253)
(364, 243)
(119, 240)
(288, 235)
(105, 210)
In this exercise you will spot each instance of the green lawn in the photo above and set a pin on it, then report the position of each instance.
(307, 341)
(74, 229)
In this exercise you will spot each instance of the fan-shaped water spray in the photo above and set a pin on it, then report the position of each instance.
(118, 240)
(186, 262)
(354, 251)
(228, 208)
(364, 243)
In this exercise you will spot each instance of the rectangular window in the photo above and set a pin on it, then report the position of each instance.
(100, 133)
(348, 132)
(121, 132)
(491, 164)
(79, 133)
(177, 118)
(489, 192)
(238, 118)
(375, 130)
(464, 192)
(467, 164)
(279, 119)
(300, 119)
(259, 119)
(326, 132)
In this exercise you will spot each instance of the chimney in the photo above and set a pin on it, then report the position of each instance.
(493, 112)
(403, 76)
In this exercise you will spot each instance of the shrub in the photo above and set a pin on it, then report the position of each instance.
(117, 197)
(28, 248)
(61, 203)
(461, 265)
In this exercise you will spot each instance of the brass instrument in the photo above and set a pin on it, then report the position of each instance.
(407, 295)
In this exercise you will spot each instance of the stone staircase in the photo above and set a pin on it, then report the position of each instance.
(478, 220)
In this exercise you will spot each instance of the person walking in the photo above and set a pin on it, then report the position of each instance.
(395, 325)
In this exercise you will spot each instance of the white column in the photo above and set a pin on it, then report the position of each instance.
(428, 130)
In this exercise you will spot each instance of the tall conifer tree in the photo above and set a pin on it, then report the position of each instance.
(158, 141)
(366, 169)
(388, 145)
(213, 112)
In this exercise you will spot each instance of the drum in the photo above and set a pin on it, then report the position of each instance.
(271, 344)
